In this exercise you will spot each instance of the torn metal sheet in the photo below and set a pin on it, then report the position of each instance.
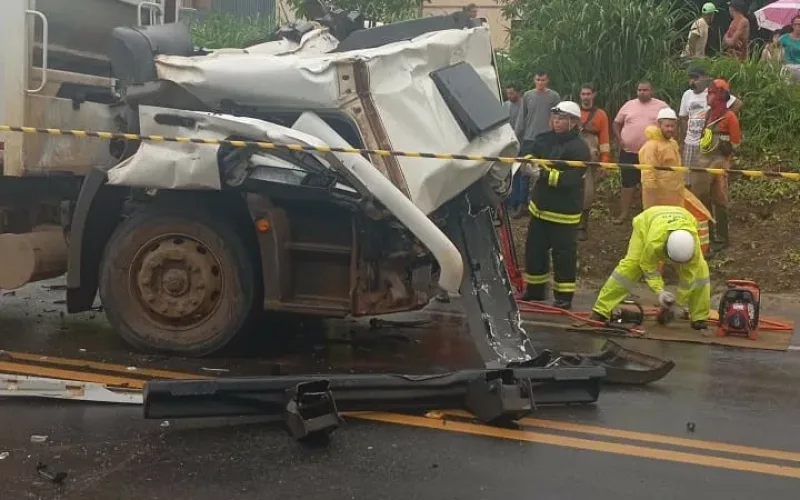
(172, 165)
(38, 387)
(410, 110)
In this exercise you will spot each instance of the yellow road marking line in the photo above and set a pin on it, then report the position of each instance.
(475, 429)
(650, 438)
(109, 367)
(42, 371)
(585, 444)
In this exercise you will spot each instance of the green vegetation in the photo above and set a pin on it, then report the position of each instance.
(219, 30)
(386, 11)
(611, 43)
(615, 43)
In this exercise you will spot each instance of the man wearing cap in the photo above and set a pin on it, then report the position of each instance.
(698, 32)
(556, 205)
(719, 139)
(694, 104)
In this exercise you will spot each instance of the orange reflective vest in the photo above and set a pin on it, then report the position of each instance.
(703, 217)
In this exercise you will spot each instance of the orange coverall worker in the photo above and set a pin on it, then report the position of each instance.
(646, 249)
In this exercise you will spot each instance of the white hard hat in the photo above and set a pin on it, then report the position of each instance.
(567, 108)
(667, 114)
(680, 246)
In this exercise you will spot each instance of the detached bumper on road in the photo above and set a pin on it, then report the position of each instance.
(311, 404)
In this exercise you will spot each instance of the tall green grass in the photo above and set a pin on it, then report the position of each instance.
(610, 43)
(615, 43)
(385, 11)
(221, 30)
(771, 114)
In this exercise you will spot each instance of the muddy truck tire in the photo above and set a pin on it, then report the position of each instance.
(178, 280)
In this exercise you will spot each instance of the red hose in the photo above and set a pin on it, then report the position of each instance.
(515, 275)
(539, 308)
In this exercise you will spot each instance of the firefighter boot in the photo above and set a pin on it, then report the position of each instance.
(563, 304)
(535, 293)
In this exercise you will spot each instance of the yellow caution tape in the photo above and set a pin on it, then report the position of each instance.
(794, 176)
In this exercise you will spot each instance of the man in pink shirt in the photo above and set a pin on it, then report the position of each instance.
(628, 128)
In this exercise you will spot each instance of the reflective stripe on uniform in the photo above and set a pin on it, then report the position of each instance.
(700, 282)
(628, 284)
(651, 275)
(553, 216)
(564, 287)
(536, 279)
(605, 148)
(552, 178)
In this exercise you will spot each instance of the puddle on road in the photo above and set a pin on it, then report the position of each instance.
(31, 322)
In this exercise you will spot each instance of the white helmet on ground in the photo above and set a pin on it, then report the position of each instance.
(667, 114)
(567, 108)
(680, 246)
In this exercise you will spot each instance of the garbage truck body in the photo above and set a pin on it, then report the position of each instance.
(187, 244)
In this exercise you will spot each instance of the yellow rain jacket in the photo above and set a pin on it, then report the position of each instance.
(660, 187)
(646, 249)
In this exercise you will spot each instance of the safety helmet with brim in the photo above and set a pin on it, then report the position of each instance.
(666, 114)
(567, 108)
(680, 246)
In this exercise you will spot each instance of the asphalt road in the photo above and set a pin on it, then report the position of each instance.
(634, 443)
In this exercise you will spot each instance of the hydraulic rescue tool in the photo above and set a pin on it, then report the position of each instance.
(739, 309)
(630, 312)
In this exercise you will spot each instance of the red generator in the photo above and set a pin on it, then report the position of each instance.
(739, 309)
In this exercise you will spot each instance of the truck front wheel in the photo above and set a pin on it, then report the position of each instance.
(177, 280)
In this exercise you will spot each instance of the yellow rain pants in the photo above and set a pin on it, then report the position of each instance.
(646, 249)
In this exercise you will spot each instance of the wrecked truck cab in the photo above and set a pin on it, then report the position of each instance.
(210, 235)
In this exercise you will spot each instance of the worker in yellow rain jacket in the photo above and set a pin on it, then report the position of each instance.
(660, 187)
(661, 233)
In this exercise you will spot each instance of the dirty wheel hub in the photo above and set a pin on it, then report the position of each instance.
(178, 280)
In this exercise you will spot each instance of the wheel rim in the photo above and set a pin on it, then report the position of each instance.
(177, 280)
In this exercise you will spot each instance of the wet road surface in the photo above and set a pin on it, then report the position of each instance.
(738, 397)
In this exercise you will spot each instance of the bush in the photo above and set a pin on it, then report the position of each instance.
(611, 43)
(771, 109)
(615, 43)
(386, 11)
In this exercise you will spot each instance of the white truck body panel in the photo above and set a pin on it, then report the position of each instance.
(415, 116)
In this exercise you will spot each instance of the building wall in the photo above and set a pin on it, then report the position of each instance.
(487, 9)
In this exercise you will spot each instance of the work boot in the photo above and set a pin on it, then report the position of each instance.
(535, 293)
(721, 228)
(563, 304)
(596, 316)
(562, 300)
(699, 325)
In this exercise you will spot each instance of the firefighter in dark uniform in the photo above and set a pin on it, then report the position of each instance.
(556, 205)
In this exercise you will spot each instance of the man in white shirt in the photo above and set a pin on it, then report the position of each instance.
(694, 103)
